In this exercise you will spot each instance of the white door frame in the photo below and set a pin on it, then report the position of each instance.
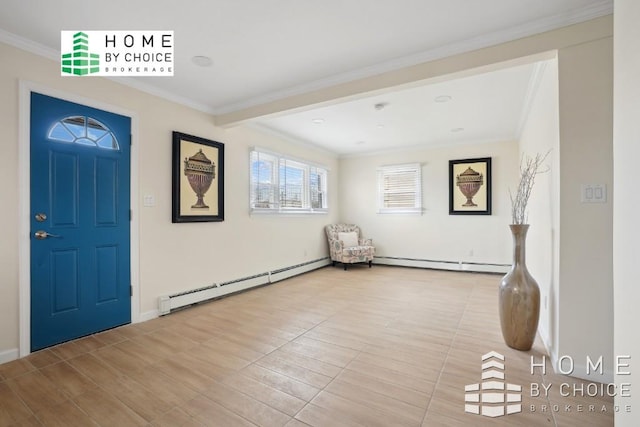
(24, 186)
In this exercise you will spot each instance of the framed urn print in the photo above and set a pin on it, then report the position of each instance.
(470, 186)
(198, 179)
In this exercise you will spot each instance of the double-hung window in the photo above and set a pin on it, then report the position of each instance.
(400, 189)
(280, 184)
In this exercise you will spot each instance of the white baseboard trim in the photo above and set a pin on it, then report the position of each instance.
(167, 303)
(443, 265)
(579, 369)
(8, 355)
(148, 315)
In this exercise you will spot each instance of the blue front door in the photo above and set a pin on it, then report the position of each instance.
(80, 231)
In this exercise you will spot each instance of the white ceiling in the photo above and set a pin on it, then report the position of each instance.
(481, 108)
(267, 50)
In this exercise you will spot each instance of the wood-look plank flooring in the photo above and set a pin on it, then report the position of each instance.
(385, 346)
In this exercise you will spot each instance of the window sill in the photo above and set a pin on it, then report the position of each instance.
(288, 212)
(400, 211)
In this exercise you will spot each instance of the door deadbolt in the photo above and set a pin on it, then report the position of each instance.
(40, 217)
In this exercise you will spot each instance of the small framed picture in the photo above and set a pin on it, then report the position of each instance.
(198, 179)
(470, 186)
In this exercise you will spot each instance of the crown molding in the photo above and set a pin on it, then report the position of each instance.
(136, 83)
(260, 127)
(603, 8)
(29, 46)
(430, 146)
(54, 55)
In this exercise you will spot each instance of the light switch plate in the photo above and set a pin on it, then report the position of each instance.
(149, 200)
(593, 193)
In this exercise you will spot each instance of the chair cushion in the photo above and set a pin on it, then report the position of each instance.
(358, 251)
(349, 240)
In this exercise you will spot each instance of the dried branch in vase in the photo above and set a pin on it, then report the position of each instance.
(529, 168)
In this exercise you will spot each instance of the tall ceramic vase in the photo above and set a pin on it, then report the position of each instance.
(519, 297)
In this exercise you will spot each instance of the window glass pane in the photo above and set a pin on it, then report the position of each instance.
(84, 131)
(76, 125)
(95, 129)
(283, 185)
(61, 133)
(291, 185)
(317, 188)
(263, 181)
(107, 141)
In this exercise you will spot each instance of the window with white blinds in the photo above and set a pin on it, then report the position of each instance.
(284, 185)
(400, 189)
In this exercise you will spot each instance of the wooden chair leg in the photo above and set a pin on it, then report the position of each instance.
(369, 263)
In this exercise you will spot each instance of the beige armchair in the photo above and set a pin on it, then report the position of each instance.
(347, 246)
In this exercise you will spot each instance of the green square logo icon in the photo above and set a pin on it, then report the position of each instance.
(80, 62)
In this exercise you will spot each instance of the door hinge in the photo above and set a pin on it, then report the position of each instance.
(130, 291)
(130, 139)
(130, 214)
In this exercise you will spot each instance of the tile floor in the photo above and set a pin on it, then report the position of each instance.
(385, 346)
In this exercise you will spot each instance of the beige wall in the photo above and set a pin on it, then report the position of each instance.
(540, 135)
(434, 235)
(626, 234)
(586, 263)
(173, 257)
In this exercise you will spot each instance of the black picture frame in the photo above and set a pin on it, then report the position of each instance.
(197, 179)
(470, 186)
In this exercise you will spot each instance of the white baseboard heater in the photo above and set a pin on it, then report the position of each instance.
(475, 267)
(168, 303)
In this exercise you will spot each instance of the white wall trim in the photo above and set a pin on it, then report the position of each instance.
(167, 303)
(580, 371)
(24, 241)
(28, 45)
(8, 355)
(602, 8)
(474, 267)
(54, 55)
(149, 315)
(532, 91)
(434, 146)
(262, 128)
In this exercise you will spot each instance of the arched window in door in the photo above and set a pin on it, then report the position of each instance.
(84, 131)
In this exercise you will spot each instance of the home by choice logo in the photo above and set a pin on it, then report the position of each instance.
(493, 397)
(592, 368)
(116, 53)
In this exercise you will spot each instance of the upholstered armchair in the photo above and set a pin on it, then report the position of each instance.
(347, 246)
